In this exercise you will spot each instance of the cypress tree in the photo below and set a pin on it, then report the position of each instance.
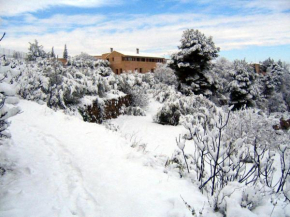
(65, 54)
(52, 54)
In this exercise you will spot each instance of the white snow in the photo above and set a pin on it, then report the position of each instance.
(66, 167)
(160, 139)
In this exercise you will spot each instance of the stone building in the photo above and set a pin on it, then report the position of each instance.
(124, 62)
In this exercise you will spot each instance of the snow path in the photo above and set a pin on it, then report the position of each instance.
(66, 167)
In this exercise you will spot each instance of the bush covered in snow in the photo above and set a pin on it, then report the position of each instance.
(164, 74)
(178, 106)
(235, 157)
(62, 87)
(136, 86)
(8, 108)
(47, 80)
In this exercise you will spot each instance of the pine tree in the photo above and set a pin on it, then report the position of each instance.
(242, 89)
(65, 54)
(192, 61)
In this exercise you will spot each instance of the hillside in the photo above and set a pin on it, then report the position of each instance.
(67, 167)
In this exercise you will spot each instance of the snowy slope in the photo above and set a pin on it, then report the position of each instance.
(66, 167)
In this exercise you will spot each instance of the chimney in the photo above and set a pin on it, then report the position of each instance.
(111, 49)
(137, 50)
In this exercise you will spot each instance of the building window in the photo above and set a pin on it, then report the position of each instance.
(112, 58)
(121, 71)
(108, 59)
(152, 70)
(140, 70)
(117, 71)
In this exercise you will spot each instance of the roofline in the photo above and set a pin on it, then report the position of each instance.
(132, 55)
(143, 56)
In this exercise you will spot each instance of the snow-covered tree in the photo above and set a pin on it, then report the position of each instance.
(286, 89)
(221, 73)
(65, 53)
(192, 60)
(273, 79)
(274, 86)
(35, 51)
(242, 88)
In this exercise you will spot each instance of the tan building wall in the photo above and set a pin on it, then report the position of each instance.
(124, 63)
(62, 60)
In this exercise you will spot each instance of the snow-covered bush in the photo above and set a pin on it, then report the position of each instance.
(163, 92)
(177, 163)
(64, 92)
(236, 149)
(86, 60)
(169, 114)
(165, 74)
(32, 84)
(62, 87)
(177, 107)
(8, 102)
(8, 108)
(133, 84)
(134, 110)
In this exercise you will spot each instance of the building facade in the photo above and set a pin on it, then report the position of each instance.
(126, 62)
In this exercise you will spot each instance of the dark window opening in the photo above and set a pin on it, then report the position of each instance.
(117, 71)
(140, 70)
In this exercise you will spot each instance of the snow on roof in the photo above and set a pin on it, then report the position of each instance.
(138, 55)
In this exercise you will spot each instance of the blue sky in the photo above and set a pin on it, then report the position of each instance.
(250, 29)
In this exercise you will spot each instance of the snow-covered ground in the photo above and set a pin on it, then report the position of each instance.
(66, 167)
(159, 139)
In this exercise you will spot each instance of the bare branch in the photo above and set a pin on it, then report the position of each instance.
(3, 36)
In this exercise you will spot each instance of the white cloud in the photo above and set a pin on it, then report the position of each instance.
(156, 33)
(16, 7)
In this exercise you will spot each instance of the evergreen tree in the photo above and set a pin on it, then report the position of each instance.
(52, 54)
(35, 51)
(65, 54)
(242, 89)
(192, 61)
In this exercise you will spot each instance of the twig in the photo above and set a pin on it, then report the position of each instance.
(3, 36)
